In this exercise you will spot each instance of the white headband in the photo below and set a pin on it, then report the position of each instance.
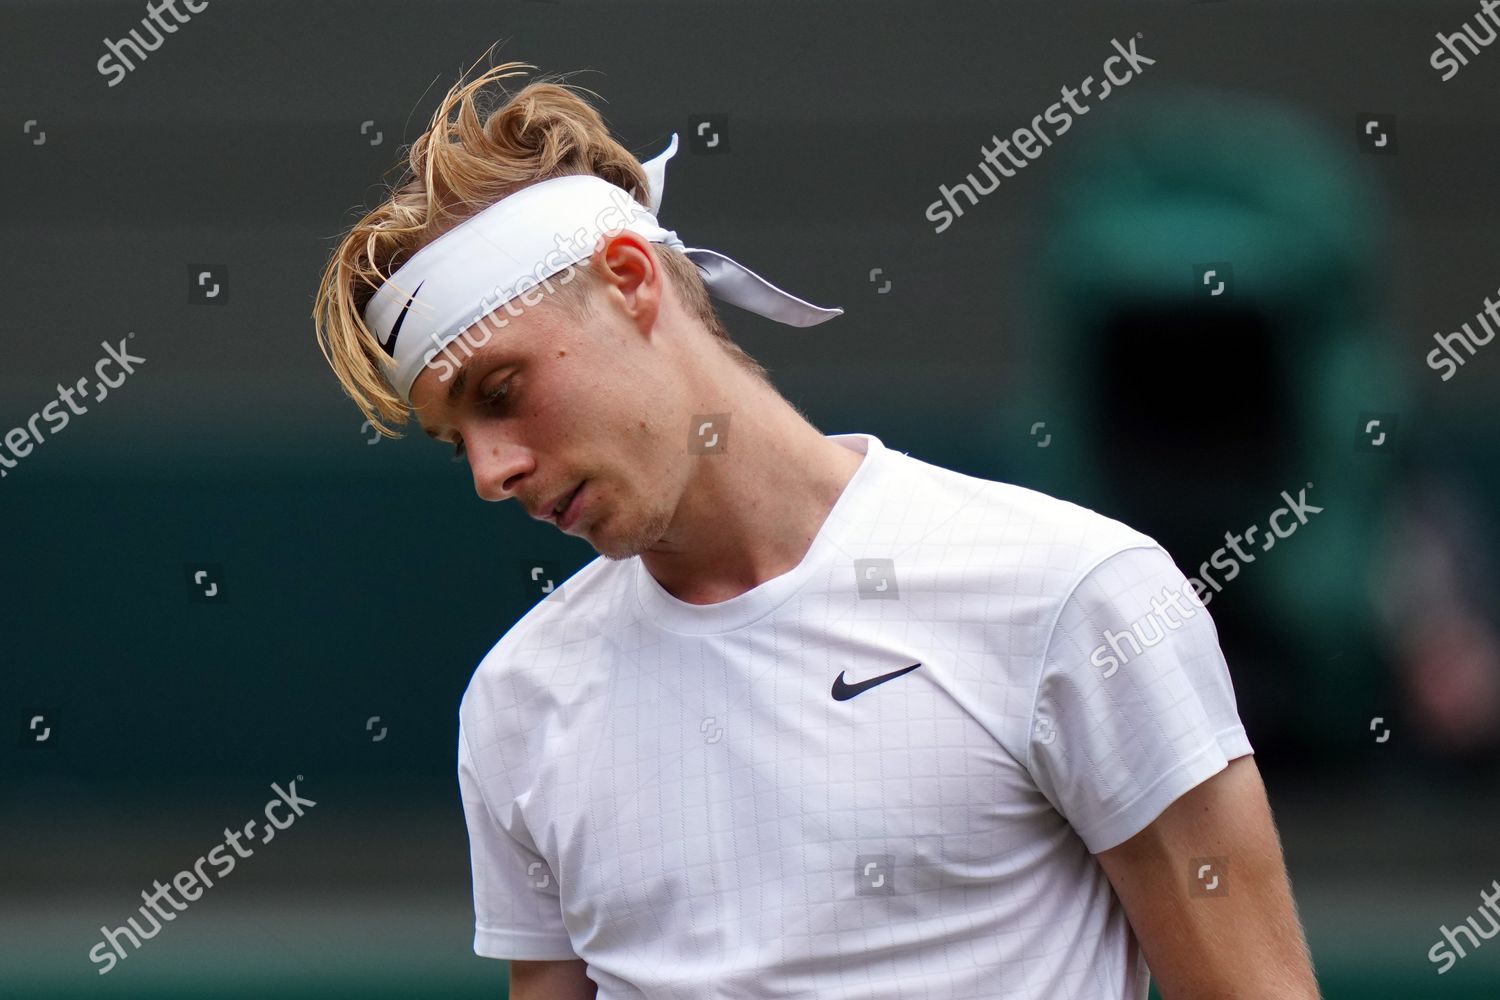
(514, 245)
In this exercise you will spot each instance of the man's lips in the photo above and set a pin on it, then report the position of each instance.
(547, 512)
(571, 512)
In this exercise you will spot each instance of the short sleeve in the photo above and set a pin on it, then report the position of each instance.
(517, 908)
(1134, 704)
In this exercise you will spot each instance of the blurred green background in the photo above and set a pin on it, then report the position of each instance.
(361, 581)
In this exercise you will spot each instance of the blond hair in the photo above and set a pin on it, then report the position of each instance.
(469, 158)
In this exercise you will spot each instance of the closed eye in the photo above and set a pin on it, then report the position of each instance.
(497, 396)
(496, 399)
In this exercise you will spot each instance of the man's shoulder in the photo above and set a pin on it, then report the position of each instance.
(1018, 524)
(555, 633)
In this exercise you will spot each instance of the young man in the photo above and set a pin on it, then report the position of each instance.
(824, 719)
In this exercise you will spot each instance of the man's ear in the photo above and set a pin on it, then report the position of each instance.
(630, 275)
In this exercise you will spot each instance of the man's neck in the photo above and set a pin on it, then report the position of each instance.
(751, 514)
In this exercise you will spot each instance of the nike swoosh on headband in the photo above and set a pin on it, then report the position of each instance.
(843, 691)
(390, 345)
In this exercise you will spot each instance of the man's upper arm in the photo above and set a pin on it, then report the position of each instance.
(517, 904)
(1145, 756)
(1134, 704)
(1205, 888)
(551, 981)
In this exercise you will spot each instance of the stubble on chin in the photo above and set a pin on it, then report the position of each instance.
(640, 537)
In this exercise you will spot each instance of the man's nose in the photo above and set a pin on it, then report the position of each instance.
(499, 468)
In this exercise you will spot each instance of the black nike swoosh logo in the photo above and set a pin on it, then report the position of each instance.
(843, 691)
(390, 346)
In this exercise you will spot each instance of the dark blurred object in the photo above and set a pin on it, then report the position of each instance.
(1210, 331)
(1438, 599)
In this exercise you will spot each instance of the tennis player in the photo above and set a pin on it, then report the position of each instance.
(823, 720)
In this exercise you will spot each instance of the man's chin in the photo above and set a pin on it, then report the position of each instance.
(618, 553)
(618, 548)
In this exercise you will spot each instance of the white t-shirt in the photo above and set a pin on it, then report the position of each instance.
(675, 794)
